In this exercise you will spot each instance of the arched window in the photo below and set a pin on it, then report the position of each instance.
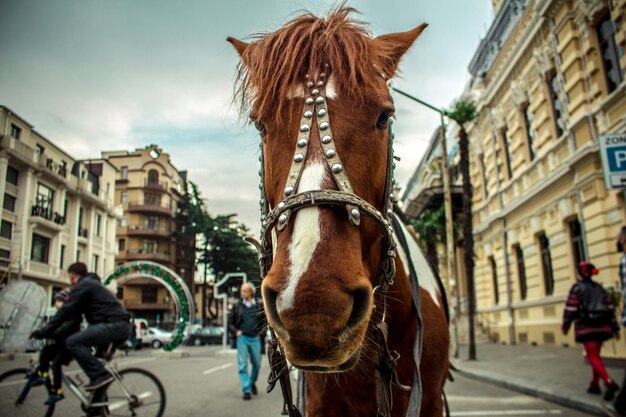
(153, 176)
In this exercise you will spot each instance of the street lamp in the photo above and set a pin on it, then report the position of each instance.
(447, 195)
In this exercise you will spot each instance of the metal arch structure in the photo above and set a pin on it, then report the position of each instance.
(174, 284)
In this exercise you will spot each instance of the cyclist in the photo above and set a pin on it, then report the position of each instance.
(108, 323)
(56, 352)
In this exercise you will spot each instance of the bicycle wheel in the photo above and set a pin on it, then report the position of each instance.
(139, 393)
(18, 398)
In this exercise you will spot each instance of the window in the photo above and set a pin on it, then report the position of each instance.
(9, 202)
(153, 176)
(611, 53)
(98, 221)
(483, 169)
(124, 173)
(530, 133)
(81, 211)
(123, 221)
(151, 222)
(94, 264)
(149, 294)
(557, 107)
(12, 175)
(575, 232)
(152, 199)
(40, 249)
(62, 257)
(6, 229)
(15, 131)
(5, 254)
(546, 263)
(39, 150)
(65, 208)
(506, 144)
(120, 293)
(44, 199)
(121, 245)
(521, 272)
(494, 277)
(78, 256)
(123, 197)
(149, 246)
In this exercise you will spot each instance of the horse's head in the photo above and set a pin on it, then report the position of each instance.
(319, 291)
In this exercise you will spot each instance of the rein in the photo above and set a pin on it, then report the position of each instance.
(277, 218)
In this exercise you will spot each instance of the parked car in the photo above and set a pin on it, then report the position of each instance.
(211, 335)
(157, 337)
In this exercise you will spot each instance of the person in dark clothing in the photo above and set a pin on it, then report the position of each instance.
(247, 322)
(592, 327)
(56, 353)
(108, 323)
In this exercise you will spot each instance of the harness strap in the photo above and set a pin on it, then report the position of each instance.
(386, 372)
(279, 372)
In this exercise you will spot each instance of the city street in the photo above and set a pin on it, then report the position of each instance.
(206, 383)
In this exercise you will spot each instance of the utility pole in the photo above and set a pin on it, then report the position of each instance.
(447, 196)
(206, 244)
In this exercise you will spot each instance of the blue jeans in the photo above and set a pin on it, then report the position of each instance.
(248, 347)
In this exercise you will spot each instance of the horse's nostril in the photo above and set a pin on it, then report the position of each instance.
(269, 299)
(360, 306)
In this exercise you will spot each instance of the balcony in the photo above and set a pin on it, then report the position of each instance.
(155, 185)
(147, 231)
(153, 207)
(83, 232)
(48, 214)
(143, 255)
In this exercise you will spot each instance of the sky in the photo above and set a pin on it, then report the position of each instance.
(94, 75)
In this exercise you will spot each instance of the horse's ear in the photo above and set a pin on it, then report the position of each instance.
(394, 45)
(240, 46)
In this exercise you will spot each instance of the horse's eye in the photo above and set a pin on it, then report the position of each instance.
(383, 119)
(260, 127)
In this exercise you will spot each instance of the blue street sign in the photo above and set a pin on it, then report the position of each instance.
(613, 154)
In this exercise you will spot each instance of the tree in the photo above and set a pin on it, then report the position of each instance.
(430, 227)
(463, 112)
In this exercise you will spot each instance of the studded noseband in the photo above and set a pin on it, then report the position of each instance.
(315, 107)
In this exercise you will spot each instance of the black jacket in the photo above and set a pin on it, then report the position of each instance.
(91, 298)
(235, 318)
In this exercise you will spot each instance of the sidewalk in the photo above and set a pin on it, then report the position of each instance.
(557, 374)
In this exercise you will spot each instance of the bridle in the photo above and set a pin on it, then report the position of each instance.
(315, 106)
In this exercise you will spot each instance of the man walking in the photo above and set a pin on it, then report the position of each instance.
(246, 323)
(108, 322)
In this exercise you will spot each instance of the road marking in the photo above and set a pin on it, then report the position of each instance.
(217, 368)
(120, 404)
(505, 413)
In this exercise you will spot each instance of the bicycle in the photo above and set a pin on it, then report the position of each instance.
(134, 392)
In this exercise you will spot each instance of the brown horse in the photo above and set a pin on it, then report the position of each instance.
(320, 291)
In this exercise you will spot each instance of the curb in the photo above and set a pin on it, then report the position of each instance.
(526, 387)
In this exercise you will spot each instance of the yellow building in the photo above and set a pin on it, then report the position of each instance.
(148, 188)
(548, 80)
(56, 210)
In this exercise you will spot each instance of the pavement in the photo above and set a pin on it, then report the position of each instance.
(557, 374)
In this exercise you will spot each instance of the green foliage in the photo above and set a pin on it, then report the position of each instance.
(463, 111)
(430, 227)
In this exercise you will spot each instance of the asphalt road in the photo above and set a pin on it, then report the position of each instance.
(206, 384)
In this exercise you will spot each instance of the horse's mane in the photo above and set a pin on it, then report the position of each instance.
(275, 63)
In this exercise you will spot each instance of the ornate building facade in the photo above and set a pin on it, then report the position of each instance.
(549, 82)
(56, 209)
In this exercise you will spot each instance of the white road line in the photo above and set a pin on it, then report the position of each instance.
(120, 404)
(505, 413)
(217, 368)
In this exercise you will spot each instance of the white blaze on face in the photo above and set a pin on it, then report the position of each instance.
(305, 237)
